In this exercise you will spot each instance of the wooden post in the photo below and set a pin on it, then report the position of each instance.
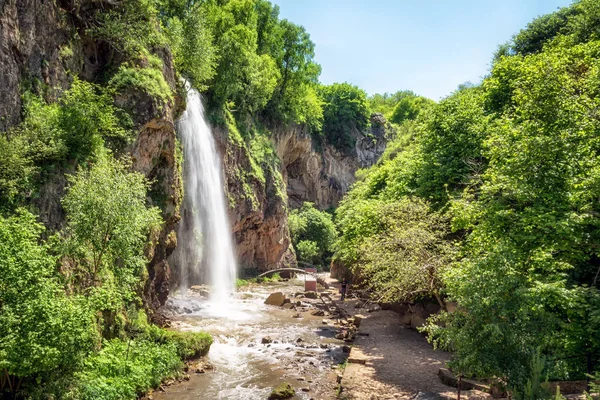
(590, 367)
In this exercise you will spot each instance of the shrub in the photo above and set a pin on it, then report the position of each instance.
(43, 332)
(345, 114)
(123, 370)
(108, 225)
(313, 233)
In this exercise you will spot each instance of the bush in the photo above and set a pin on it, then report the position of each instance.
(148, 79)
(108, 225)
(189, 345)
(123, 370)
(313, 234)
(43, 333)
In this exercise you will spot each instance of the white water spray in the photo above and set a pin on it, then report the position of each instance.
(205, 248)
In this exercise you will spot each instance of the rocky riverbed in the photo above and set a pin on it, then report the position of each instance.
(298, 338)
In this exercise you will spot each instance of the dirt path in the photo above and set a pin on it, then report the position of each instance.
(399, 363)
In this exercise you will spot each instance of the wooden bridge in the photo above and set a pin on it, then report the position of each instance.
(320, 280)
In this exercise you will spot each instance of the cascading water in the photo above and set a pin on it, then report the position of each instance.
(205, 249)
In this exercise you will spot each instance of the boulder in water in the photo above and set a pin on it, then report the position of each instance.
(275, 299)
(311, 295)
(266, 340)
(283, 391)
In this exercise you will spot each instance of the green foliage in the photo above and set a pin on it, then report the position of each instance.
(108, 224)
(17, 172)
(148, 79)
(129, 27)
(44, 333)
(450, 142)
(191, 42)
(73, 129)
(86, 119)
(313, 234)
(385, 103)
(409, 108)
(189, 345)
(405, 259)
(123, 370)
(295, 99)
(307, 250)
(345, 114)
(513, 165)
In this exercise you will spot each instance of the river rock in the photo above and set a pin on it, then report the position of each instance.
(288, 306)
(266, 340)
(283, 391)
(311, 295)
(358, 319)
(275, 299)
(318, 313)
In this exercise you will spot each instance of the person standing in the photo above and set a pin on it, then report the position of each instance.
(344, 288)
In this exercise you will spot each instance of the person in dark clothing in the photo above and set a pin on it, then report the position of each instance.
(343, 289)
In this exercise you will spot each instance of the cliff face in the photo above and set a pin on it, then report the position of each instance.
(257, 209)
(42, 46)
(305, 171)
(319, 173)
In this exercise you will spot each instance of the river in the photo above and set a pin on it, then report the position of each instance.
(303, 351)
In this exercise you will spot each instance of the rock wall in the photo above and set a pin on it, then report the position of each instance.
(319, 173)
(257, 210)
(42, 45)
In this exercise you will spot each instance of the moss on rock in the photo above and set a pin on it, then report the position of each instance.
(283, 391)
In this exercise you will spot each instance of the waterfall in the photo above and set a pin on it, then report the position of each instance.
(205, 248)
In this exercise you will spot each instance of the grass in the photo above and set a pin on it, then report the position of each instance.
(259, 279)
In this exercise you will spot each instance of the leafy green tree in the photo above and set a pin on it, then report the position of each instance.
(345, 114)
(108, 225)
(43, 333)
(409, 108)
(307, 251)
(17, 172)
(450, 142)
(313, 233)
(530, 256)
(385, 103)
(404, 260)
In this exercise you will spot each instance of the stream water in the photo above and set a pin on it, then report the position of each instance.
(303, 350)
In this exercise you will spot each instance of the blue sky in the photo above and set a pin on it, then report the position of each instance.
(428, 46)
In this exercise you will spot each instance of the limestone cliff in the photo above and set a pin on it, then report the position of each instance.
(257, 209)
(317, 172)
(43, 45)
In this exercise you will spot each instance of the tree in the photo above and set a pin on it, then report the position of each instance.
(108, 224)
(409, 108)
(191, 42)
(526, 277)
(345, 114)
(43, 333)
(313, 233)
(405, 259)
